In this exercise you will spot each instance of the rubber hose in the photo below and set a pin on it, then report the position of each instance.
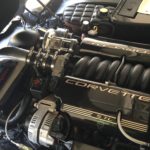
(23, 106)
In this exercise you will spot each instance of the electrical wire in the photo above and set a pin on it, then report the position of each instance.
(136, 141)
(20, 146)
(32, 145)
(119, 69)
(6, 124)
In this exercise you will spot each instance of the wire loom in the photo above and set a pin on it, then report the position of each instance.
(127, 75)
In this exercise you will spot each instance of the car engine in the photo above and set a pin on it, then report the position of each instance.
(76, 76)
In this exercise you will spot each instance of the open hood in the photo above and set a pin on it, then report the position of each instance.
(8, 8)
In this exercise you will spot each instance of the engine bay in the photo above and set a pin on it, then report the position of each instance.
(74, 75)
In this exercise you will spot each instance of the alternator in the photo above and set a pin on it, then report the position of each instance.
(48, 124)
(40, 124)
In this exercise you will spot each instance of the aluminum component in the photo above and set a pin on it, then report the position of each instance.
(56, 43)
(35, 124)
(40, 124)
(44, 138)
(119, 48)
(56, 40)
(45, 103)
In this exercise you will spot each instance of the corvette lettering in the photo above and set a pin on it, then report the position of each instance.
(107, 90)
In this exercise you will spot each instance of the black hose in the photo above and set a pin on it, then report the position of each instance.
(21, 110)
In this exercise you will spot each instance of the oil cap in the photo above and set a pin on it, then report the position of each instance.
(85, 26)
(103, 12)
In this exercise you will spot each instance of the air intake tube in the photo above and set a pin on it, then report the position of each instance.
(14, 53)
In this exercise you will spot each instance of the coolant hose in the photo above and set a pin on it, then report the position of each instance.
(22, 108)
